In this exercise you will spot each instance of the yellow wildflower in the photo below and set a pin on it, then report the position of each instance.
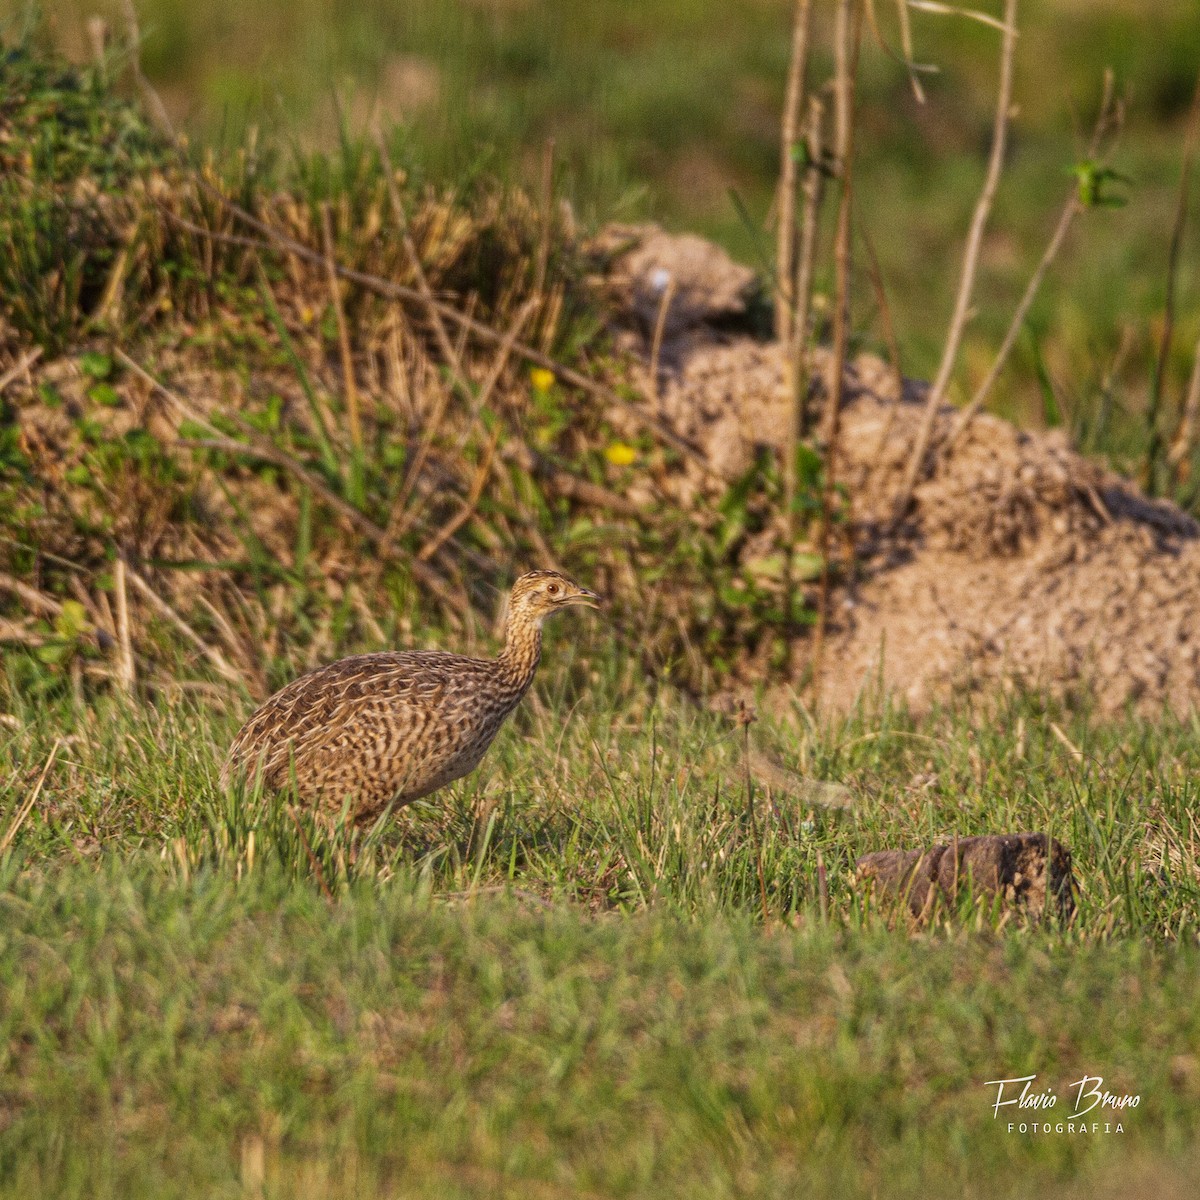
(620, 454)
(541, 378)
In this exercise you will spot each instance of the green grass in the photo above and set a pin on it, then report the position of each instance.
(161, 1036)
(554, 979)
(619, 800)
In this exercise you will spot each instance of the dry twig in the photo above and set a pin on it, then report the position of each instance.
(335, 296)
(1168, 330)
(848, 60)
(1072, 207)
(1184, 441)
(785, 308)
(966, 284)
(20, 367)
(31, 596)
(469, 325)
(213, 655)
(125, 666)
(424, 292)
(30, 800)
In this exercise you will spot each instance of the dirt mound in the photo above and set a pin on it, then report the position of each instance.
(1020, 561)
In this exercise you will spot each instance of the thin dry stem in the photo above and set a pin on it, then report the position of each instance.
(660, 325)
(846, 82)
(966, 284)
(504, 353)
(842, 116)
(402, 518)
(798, 358)
(467, 511)
(335, 296)
(20, 367)
(785, 247)
(905, 58)
(547, 198)
(27, 807)
(423, 292)
(951, 10)
(125, 664)
(1072, 207)
(1184, 441)
(814, 194)
(1168, 330)
(469, 325)
(214, 656)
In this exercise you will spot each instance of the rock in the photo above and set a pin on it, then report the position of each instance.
(706, 284)
(1013, 866)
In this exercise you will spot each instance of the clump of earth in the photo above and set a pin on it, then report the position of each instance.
(1019, 560)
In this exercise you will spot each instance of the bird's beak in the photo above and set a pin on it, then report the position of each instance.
(586, 597)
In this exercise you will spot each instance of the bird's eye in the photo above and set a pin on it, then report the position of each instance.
(552, 589)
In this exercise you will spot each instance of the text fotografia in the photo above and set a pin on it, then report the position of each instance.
(1022, 1097)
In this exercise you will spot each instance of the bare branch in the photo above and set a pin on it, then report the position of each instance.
(1177, 231)
(847, 77)
(951, 10)
(1072, 207)
(158, 110)
(1184, 441)
(480, 330)
(966, 285)
(785, 248)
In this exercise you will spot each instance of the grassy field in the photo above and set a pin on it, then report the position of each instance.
(554, 978)
(557, 977)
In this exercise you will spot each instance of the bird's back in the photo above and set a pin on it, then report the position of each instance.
(375, 728)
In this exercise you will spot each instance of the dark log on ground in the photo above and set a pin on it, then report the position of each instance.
(1017, 867)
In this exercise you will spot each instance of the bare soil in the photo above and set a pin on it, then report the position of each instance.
(1019, 561)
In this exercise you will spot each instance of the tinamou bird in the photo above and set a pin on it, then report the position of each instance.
(383, 729)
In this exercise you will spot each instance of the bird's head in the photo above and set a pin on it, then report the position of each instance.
(540, 593)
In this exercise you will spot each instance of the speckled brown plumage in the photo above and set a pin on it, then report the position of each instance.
(391, 727)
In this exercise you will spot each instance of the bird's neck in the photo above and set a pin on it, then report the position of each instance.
(522, 650)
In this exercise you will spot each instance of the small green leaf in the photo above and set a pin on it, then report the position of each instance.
(53, 653)
(806, 566)
(71, 621)
(95, 365)
(106, 394)
(1092, 182)
(49, 395)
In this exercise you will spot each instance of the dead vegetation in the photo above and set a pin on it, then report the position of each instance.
(265, 422)
(254, 417)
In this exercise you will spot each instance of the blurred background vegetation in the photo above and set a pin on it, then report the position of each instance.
(667, 108)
